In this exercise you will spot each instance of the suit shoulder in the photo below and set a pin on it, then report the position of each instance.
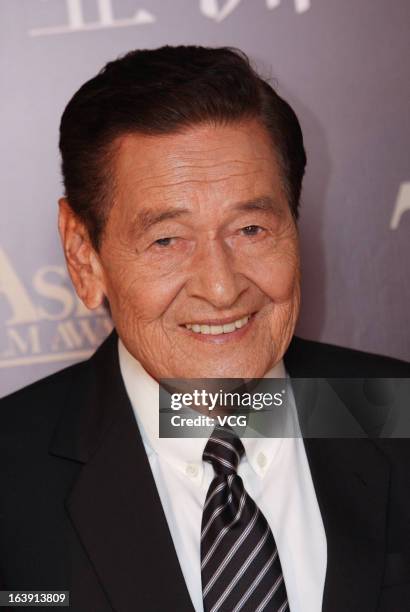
(40, 400)
(311, 358)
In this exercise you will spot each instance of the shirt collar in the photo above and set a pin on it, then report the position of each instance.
(185, 454)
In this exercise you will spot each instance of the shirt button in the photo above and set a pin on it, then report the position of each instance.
(261, 459)
(191, 470)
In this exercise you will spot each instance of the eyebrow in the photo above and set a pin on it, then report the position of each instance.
(148, 218)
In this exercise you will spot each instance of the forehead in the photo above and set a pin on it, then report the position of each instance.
(202, 162)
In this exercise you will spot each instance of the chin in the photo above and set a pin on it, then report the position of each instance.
(234, 370)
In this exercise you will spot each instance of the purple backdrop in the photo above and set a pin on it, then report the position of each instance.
(344, 68)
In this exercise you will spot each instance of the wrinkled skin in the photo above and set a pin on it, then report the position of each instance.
(232, 251)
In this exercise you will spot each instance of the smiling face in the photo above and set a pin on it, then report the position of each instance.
(199, 259)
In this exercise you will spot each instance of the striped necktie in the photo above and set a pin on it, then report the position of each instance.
(240, 564)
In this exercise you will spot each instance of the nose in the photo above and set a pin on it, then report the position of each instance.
(214, 278)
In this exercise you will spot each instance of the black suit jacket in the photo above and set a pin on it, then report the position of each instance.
(79, 509)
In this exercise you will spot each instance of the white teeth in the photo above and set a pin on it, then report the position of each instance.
(218, 329)
(241, 322)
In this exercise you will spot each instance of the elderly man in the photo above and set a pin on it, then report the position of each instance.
(182, 171)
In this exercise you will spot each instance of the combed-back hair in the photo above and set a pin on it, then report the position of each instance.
(165, 91)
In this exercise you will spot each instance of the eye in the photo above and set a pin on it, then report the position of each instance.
(163, 242)
(251, 230)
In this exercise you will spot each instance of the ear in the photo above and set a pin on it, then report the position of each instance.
(83, 262)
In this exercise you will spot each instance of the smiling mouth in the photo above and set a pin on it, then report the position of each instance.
(214, 330)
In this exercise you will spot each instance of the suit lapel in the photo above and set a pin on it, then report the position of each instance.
(351, 480)
(114, 504)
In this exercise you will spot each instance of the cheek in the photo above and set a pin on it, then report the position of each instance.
(139, 297)
(278, 277)
(284, 281)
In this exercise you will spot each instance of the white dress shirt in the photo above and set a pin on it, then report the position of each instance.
(275, 473)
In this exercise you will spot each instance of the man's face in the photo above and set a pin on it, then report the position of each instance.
(199, 257)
